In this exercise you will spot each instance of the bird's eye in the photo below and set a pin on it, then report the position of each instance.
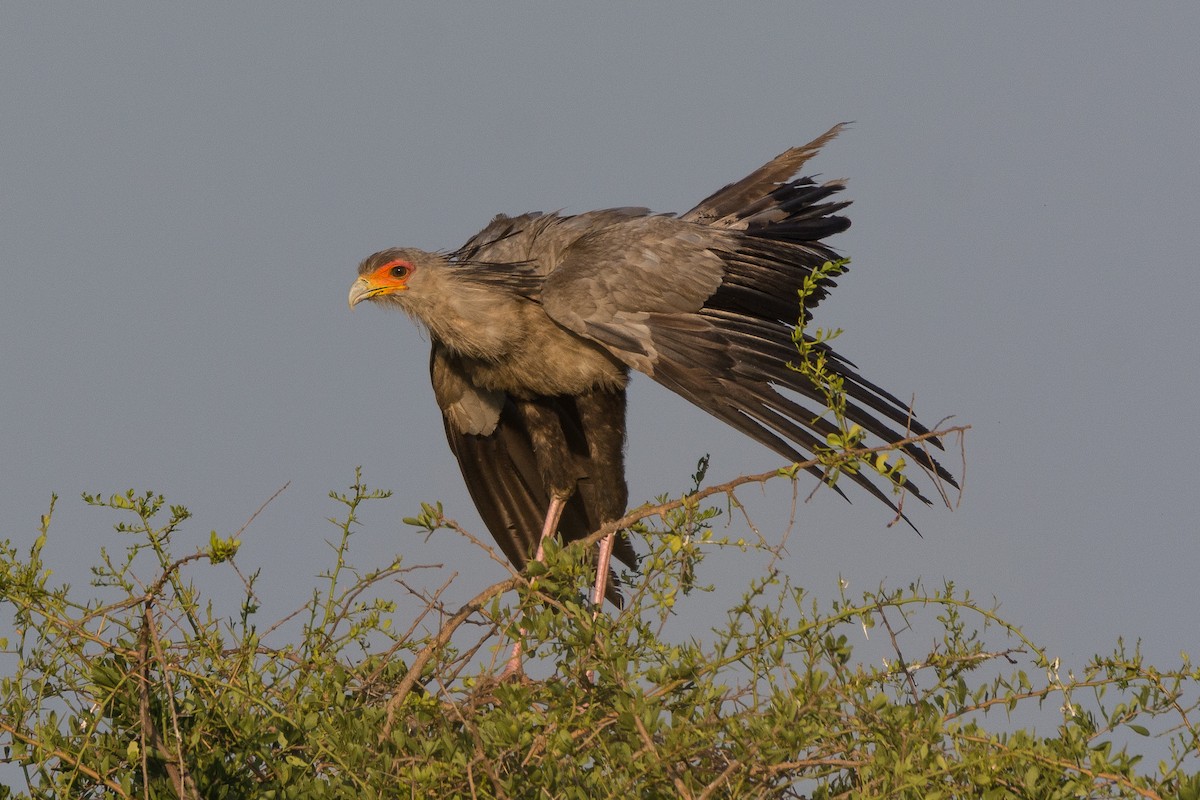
(400, 271)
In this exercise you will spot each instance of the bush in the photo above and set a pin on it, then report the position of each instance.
(151, 694)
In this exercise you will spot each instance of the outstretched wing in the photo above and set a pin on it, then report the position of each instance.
(706, 305)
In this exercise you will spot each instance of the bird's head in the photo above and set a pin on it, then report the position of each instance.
(471, 307)
(390, 274)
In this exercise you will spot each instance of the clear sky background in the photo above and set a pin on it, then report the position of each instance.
(187, 189)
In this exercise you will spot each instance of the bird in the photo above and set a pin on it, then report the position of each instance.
(538, 320)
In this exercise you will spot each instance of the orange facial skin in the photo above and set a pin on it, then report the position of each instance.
(390, 278)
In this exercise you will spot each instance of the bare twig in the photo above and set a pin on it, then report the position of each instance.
(912, 683)
(265, 503)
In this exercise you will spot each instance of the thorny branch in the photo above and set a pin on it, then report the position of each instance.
(174, 763)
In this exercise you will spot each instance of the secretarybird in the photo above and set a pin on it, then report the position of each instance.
(537, 320)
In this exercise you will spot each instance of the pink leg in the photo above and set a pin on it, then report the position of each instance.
(602, 562)
(553, 514)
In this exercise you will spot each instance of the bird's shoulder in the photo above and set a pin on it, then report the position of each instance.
(650, 263)
(539, 238)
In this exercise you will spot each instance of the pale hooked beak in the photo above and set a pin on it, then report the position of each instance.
(361, 290)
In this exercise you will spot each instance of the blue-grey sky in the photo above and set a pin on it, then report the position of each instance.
(186, 190)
